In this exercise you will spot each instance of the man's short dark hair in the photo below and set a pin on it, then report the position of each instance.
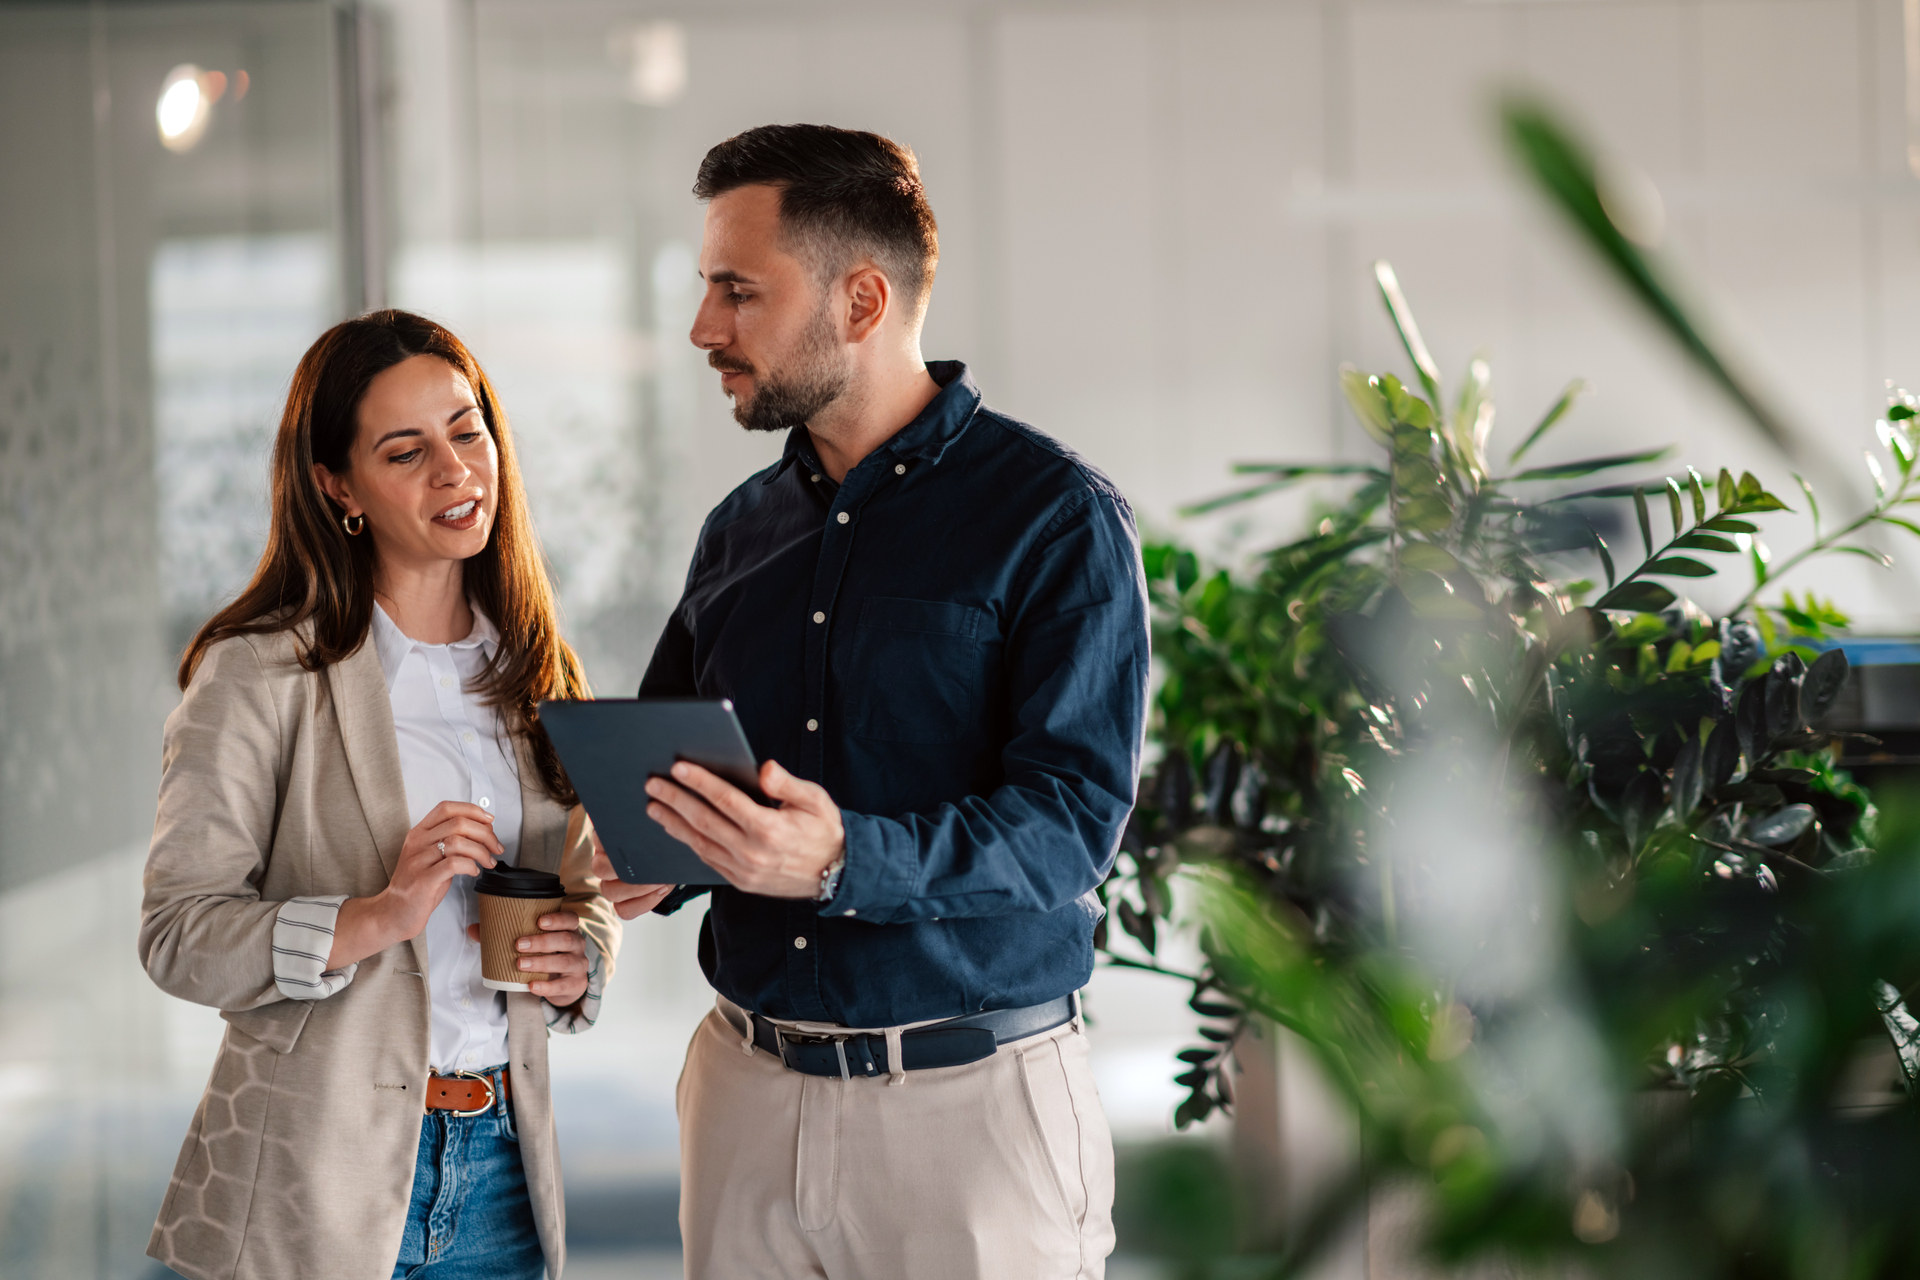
(844, 195)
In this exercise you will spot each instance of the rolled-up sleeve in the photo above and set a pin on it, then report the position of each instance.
(600, 926)
(1077, 665)
(302, 939)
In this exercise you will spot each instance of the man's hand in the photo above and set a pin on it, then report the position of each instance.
(629, 900)
(560, 952)
(777, 853)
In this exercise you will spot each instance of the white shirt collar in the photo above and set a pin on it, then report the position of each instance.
(393, 645)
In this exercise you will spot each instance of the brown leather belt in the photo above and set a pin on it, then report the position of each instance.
(464, 1093)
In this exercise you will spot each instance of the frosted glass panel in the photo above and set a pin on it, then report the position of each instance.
(231, 316)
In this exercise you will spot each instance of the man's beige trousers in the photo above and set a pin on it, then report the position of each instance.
(998, 1170)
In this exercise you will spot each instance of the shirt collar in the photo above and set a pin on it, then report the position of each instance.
(393, 645)
(927, 437)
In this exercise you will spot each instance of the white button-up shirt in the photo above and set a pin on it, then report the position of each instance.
(452, 747)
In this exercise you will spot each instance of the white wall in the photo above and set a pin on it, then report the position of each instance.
(1157, 217)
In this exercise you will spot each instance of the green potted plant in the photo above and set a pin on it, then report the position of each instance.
(1517, 839)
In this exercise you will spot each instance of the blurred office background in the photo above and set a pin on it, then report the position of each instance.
(1156, 221)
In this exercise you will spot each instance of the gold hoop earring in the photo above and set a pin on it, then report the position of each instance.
(353, 530)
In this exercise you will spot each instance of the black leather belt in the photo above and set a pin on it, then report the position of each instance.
(952, 1043)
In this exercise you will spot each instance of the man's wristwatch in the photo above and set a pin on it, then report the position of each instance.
(830, 880)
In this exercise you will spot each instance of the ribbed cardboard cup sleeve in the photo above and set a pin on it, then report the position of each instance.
(503, 922)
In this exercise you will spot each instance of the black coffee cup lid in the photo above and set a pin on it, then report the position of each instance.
(503, 881)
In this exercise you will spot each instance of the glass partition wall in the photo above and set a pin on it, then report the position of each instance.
(177, 221)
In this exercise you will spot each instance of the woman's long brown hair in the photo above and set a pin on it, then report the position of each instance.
(312, 572)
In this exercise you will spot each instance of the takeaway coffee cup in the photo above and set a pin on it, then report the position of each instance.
(512, 900)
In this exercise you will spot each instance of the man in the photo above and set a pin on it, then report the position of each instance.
(931, 620)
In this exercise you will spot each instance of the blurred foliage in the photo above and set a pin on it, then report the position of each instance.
(1663, 1075)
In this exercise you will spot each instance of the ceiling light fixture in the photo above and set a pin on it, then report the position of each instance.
(185, 106)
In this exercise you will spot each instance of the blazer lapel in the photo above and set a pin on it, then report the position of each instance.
(373, 752)
(541, 837)
(365, 709)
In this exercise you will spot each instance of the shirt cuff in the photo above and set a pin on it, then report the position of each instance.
(302, 937)
(576, 1018)
(878, 878)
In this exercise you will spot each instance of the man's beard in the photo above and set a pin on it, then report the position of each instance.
(783, 398)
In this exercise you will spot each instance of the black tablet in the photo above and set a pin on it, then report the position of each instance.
(611, 746)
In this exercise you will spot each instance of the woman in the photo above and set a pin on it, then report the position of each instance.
(357, 741)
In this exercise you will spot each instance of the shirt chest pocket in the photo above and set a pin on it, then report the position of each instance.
(914, 670)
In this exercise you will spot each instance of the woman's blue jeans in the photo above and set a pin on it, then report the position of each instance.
(470, 1218)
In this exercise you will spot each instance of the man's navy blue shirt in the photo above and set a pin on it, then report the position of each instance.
(953, 642)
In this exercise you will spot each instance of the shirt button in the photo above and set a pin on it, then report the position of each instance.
(847, 912)
(485, 803)
(816, 479)
(467, 736)
(473, 1057)
(800, 943)
(819, 617)
(465, 1003)
(899, 468)
(844, 517)
(446, 682)
(812, 725)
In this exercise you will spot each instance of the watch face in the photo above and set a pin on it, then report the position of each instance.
(830, 880)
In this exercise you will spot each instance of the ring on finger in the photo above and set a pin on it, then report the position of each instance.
(441, 845)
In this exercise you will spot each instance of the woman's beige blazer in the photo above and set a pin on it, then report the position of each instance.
(278, 783)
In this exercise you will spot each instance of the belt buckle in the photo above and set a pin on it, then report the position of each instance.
(839, 1043)
(492, 1095)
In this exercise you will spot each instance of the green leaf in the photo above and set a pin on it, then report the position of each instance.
(1749, 486)
(1427, 513)
(1564, 170)
(1587, 466)
(1879, 476)
(1908, 525)
(1424, 555)
(1729, 493)
(1699, 495)
(1402, 317)
(1895, 439)
(1405, 407)
(1624, 490)
(1574, 391)
(1899, 412)
(1641, 597)
(1233, 499)
(1880, 558)
(1697, 541)
(1675, 511)
(1296, 470)
(1600, 545)
(1812, 505)
(1679, 567)
(1284, 475)
(1646, 521)
(1727, 524)
(1369, 404)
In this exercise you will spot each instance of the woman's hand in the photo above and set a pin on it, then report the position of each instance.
(454, 839)
(630, 900)
(559, 950)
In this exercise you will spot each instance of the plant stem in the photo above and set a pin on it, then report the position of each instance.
(1121, 962)
(1816, 547)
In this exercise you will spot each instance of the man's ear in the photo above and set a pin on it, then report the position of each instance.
(336, 488)
(869, 299)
